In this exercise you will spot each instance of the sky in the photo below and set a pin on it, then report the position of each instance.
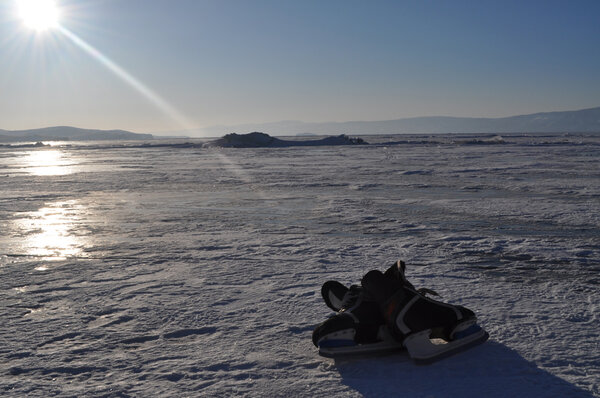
(168, 65)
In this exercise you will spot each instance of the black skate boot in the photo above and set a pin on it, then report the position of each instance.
(429, 329)
(357, 328)
(334, 293)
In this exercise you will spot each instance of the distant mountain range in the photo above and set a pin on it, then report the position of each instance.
(65, 133)
(581, 121)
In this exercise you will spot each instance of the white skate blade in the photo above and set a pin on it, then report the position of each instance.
(331, 351)
(424, 351)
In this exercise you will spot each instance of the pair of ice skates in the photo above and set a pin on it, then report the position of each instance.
(386, 313)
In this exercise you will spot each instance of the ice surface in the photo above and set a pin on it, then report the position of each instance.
(166, 269)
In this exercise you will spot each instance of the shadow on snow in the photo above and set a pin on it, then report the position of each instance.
(489, 370)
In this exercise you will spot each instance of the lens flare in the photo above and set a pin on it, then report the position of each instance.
(42, 15)
(126, 77)
(38, 15)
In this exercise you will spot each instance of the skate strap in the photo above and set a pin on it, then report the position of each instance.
(425, 291)
(400, 317)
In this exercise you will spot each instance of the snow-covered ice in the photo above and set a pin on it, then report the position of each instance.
(168, 269)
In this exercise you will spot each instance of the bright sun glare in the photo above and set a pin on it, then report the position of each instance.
(39, 15)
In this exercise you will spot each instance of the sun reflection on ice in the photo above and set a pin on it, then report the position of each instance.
(49, 162)
(50, 232)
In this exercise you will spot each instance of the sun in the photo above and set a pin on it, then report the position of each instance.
(38, 15)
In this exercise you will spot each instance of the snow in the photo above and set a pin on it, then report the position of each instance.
(176, 270)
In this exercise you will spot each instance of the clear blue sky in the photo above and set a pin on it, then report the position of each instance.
(251, 61)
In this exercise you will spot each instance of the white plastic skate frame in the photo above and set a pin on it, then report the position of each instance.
(420, 346)
(425, 350)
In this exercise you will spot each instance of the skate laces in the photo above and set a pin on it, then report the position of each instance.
(351, 297)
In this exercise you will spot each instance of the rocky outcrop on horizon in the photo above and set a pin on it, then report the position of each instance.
(262, 140)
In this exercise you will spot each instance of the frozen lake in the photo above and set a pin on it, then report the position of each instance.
(167, 269)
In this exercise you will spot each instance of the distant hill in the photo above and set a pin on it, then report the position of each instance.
(581, 121)
(65, 133)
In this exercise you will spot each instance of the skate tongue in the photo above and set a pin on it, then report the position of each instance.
(397, 271)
